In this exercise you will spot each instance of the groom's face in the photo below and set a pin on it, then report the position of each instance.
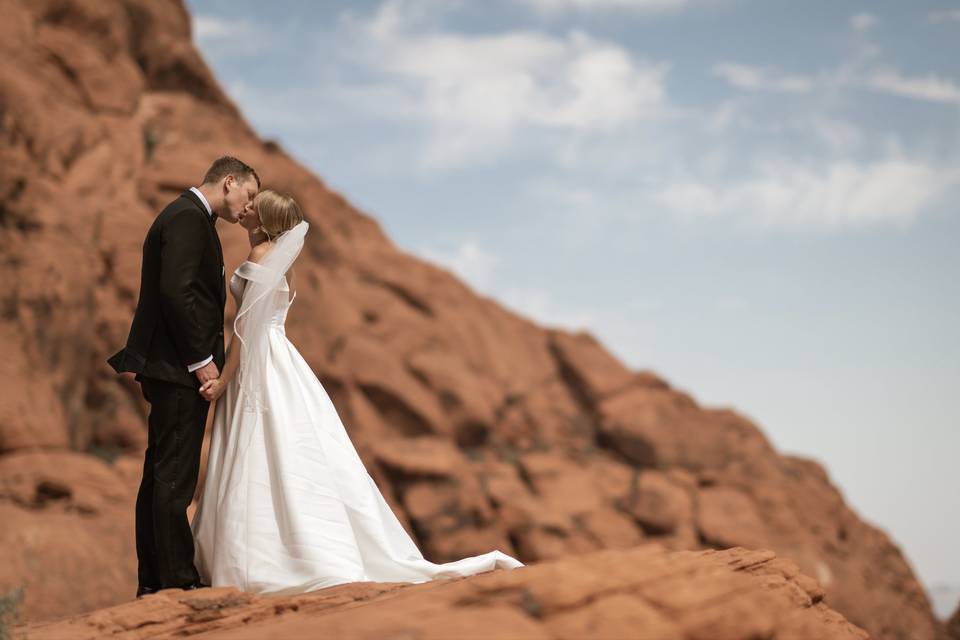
(237, 196)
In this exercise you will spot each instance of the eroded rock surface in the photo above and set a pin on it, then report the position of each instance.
(645, 592)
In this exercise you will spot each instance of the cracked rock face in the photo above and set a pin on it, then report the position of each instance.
(644, 593)
(482, 429)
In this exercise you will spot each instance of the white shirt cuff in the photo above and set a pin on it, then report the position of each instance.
(202, 363)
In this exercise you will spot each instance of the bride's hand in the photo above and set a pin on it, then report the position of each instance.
(212, 389)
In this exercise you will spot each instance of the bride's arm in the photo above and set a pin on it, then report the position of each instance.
(232, 360)
(214, 388)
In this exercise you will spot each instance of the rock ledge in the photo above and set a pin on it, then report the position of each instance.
(644, 592)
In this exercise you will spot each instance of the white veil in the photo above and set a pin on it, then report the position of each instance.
(261, 300)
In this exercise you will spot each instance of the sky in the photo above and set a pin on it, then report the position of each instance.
(756, 200)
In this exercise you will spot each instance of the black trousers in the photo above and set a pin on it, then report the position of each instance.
(178, 415)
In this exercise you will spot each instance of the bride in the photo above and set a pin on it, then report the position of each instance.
(287, 505)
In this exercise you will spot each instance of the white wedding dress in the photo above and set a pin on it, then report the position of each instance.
(287, 505)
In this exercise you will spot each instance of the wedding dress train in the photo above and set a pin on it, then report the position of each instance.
(287, 504)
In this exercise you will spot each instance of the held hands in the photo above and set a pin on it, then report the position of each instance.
(207, 372)
(209, 377)
(212, 389)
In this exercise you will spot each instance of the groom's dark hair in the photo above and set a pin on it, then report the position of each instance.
(229, 166)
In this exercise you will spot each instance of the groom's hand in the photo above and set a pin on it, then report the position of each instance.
(212, 389)
(207, 372)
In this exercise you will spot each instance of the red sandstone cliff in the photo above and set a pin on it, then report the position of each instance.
(483, 429)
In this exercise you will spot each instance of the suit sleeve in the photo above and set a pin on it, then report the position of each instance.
(183, 241)
(196, 365)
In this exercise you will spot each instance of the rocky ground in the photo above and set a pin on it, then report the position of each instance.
(643, 593)
(482, 429)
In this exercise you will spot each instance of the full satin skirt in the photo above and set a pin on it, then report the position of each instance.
(287, 504)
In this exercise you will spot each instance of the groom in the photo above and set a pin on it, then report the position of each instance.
(175, 345)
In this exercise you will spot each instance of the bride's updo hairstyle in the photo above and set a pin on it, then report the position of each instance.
(278, 212)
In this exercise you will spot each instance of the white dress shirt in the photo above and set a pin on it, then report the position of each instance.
(196, 365)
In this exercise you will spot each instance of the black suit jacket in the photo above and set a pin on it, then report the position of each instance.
(179, 316)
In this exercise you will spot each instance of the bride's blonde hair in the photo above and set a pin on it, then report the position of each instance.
(278, 212)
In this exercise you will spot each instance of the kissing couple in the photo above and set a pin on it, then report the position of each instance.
(287, 505)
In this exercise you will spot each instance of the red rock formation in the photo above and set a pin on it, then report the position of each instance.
(642, 593)
(66, 535)
(952, 627)
(483, 429)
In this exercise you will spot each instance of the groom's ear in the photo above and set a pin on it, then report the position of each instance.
(229, 180)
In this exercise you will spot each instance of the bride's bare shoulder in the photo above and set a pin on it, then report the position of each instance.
(258, 251)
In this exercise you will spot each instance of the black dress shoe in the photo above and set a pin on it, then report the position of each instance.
(195, 585)
(145, 591)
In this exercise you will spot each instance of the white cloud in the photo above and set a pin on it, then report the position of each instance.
(754, 78)
(840, 195)
(542, 308)
(226, 36)
(216, 28)
(482, 269)
(722, 116)
(474, 91)
(863, 21)
(930, 88)
(468, 260)
(593, 131)
(652, 6)
(838, 135)
(944, 16)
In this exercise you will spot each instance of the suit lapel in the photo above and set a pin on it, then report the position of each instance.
(192, 197)
(223, 273)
